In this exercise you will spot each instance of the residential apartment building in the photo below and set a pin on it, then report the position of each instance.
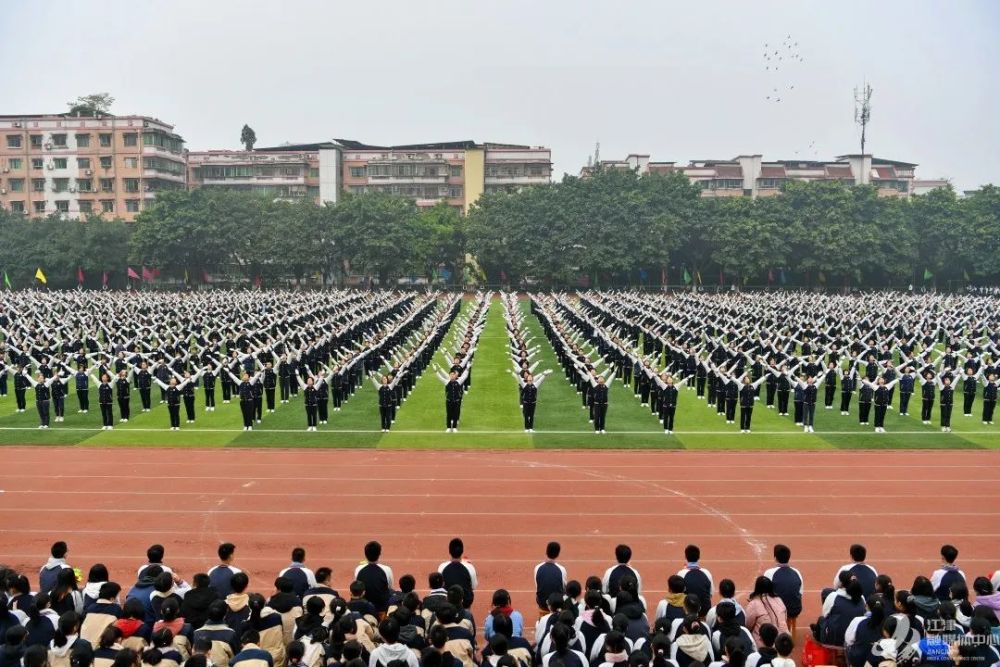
(457, 172)
(74, 166)
(304, 171)
(751, 176)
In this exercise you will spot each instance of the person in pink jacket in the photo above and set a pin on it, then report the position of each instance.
(765, 607)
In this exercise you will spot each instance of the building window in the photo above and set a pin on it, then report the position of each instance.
(59, 141)
(172, 144)
(455, 191)
(13, 141)
(131, 185)
(108, 205)
(84, 184)
(131, 163)
(62, 206)
(358, 172)
(131, 139)
(39, 207)
(83, 163)
(36, 141)
(60, 184)
(107, 185)
(37, 163)
(313, 172)
(132, 205)
(15, 163)
(17, 207)
(105, 140)
(86, 207)
(770, 183)
(455, 171)
(16, 184)
(537, 170)
(38, 185)
(106, 162)
(83, 141)
(59, 162)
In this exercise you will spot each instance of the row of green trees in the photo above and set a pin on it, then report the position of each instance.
(615, 228)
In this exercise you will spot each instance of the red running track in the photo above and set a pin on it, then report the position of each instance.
(110, 504)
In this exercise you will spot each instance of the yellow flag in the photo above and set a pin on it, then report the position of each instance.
(41, 276)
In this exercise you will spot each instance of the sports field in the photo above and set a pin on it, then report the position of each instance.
(491, 418)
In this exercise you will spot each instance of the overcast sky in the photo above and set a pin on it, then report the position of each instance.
(679, 81)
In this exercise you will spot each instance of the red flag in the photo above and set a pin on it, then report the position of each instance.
(104, 279)
(132, 274)
(79, 274)
(205, 277)
(257, 281)
(770, 275)
(146, 274)
(156, 273)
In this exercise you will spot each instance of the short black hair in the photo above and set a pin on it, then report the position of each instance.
(949, 553)
(216, 610)
(226, 550)
(298, 555)
(692, 553)
(357, 588)
(407, 583)
(284, 584)
(782, 554)
(109, 591)
(456, 547)
(249, 636)
(373, 551)
(154, 554)
(389, 629)
(784, 644)
(435, 580)
(768, 633)
(676, 584)
(501, 598)
(59, 550)
(727, 588)
(239, 582)
(552, 550)
(323, 575)
(858, 552)
(201, 580)
(623, 553)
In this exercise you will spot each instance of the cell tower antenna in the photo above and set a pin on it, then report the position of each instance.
(863, 111)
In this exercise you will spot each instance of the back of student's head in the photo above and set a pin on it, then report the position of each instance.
(922, 586)
(573, 588)
(15, 635)
(82, 655)
(782, 554)
(201, 580)
(154, 554)
(727, 588)
(858, 553)
(659, 650)
(692, 604)
(109, 637)
(736, 652)
(435, 580)
(323, 575)
(614, 642)
(98, 573)
(552, 550)
(315, 606)
(196, 661)
(623, 553)
(784, 644)
(126, 658)
(373, 551)
(59, 550)
(226, 551)
(217, 611)
(239, 582)
(982, 586)
(438, 637)
(109, 591)
(163, 638)
(560, 637)
(201, 645)
(854, 590)
(164, 582)
(555, 602)
(502, 625)
(676, 584)
(35, 656)
(447, 613)
(298, 555)
(692, 553)
(170, 609)
(501, 598)
(249, 636)
(295, 650)
(594, 583)
(456, 548)
(284, 585)
(877, 607)
(407, 583)
(134, 609)
(949, 553)
(498, 644)
(357, 588)
(768, 633)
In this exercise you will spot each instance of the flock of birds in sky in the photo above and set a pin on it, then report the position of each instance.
(781, 64)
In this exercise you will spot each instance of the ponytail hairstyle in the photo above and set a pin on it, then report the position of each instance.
(41, 603)
(338, 607)
(593, 600)
(163, 638)
(126, 658)
(883, 584)
(69, 624)
(109, 637)
(256, 605)
(854, 591)
(726, 623)
(660, 649)
(170, 610)
(877, 605)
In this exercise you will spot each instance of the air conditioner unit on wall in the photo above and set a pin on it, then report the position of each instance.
(88, 172)
(72, 189)
(3, 191)
(48, 145)
(16, 124)
(50, 166)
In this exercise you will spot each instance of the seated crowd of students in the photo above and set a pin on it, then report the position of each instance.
(219, 620)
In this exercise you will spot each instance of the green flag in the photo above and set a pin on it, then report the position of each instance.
(965, 275)
(927, 274)
(687, 277)
(6, 281)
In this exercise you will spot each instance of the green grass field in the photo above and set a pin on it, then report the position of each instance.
(491, 418)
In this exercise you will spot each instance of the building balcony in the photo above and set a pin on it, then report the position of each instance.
(441, 178)
(165, 175)
(277, 181)
(518, 179)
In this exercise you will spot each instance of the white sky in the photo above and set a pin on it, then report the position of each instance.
(679, 81)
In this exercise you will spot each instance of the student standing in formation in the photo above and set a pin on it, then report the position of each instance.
(906, 385)
(309, 391)
(947, 402)
(668, 403)
(43, 393)
(244, 389)
(105, 396)
(599, 401)
(748, 394)
(144, 382)
(970, 383)
(82, 389)
(453, 392)
(881, 396)
(810, 391)
(989, 398)
(208, 377)
(386, 399)
(528, 395)
(123, 389)
(927, 398)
